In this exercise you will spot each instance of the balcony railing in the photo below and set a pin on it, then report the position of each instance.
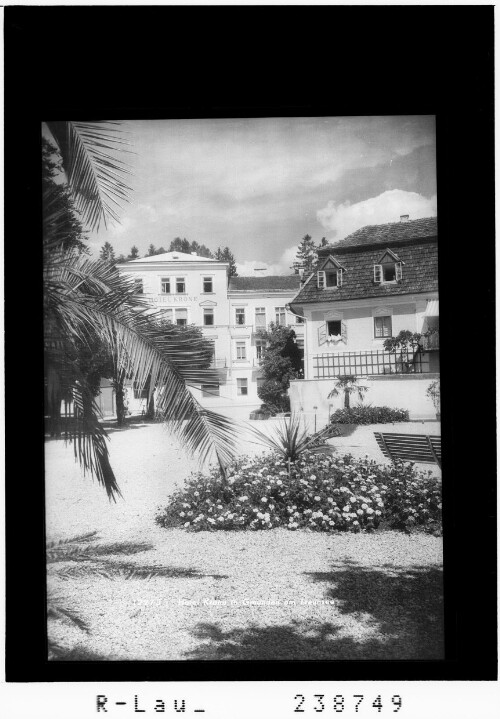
(369, 362)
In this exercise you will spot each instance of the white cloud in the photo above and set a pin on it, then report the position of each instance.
(342, 219)
(148, 212)
(281, 267)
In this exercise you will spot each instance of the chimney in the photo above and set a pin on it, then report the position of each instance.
(404, 218)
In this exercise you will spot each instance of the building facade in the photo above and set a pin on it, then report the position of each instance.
(190, 289)
(370, 286)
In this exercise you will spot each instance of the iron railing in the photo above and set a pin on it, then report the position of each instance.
(369, 362)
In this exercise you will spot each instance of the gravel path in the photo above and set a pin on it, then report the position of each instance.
(147, 593)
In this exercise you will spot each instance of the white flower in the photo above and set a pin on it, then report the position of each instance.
(186, 505)
(313, 476)
(211, 520)
(220, 519)
(196, 494)
(243, 499)
(219, 506)
(317, 499)
(356, 523)
(364, 506)
(369, 510)
(187, 524)
(378, 512)
(346, 508)
(182, 514)
(263, 499)
(278, 481)
(360, 511)
(330, 500)
(331, 523)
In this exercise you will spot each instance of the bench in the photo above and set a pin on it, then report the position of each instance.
(410, 447)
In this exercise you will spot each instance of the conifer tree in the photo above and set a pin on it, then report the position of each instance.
(307, 255)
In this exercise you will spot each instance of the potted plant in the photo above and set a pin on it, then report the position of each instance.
(434, 392)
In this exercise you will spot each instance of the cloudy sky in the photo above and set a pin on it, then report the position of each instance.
(259, 185)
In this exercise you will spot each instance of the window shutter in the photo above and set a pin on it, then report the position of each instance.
(344, 332)
(399, 271)
(377, 273)
(339, 278)
(321, 280)
(322, 333)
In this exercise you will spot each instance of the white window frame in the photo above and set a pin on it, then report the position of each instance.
(380, 269)
(241, 345)
(208, 312)
(207, 278)
(328, 333)
(242, 384)
(178, 280)
(163, 282)
(278, 311)
(381, 317)
(138, 285)
(239, 311)
(259, 345)
(186, 318)
(260, 312)
(323, 275)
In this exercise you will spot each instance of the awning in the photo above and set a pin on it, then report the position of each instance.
(432, 309)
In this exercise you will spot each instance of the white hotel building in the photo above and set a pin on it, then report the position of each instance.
(190, 289)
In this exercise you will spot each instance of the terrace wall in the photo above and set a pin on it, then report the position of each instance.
(310, 397)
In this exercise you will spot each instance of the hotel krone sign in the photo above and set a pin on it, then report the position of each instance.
(172, 299)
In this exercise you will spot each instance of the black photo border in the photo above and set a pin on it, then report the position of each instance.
(174, 62)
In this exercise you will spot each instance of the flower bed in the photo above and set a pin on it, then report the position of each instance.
(369, 415)
(318, 492)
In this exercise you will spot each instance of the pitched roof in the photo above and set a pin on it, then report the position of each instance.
(174, 257)
(264, 284)
(390, 233)
(420, 274)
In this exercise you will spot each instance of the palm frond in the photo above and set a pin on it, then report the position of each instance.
(85, 296)
(92, 155)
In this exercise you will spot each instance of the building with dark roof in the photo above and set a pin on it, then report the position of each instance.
(366, 288)
(189, 289)
(272, 283)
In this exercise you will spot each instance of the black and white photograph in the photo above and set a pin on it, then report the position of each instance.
(246, 462)
(241, 329)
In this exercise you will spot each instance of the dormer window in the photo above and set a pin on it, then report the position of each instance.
(388, 270)
(330, 275)
(329, 278)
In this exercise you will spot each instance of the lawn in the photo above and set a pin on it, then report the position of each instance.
(140, 592)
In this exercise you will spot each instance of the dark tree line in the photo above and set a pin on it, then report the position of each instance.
(223, 254)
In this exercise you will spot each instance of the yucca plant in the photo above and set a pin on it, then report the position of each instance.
(84, 297)
(289, 438)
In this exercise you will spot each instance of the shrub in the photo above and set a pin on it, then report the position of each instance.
(369, 415)
(319, 492)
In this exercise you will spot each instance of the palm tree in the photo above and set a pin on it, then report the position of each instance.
(84, 297)
(348, 384)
